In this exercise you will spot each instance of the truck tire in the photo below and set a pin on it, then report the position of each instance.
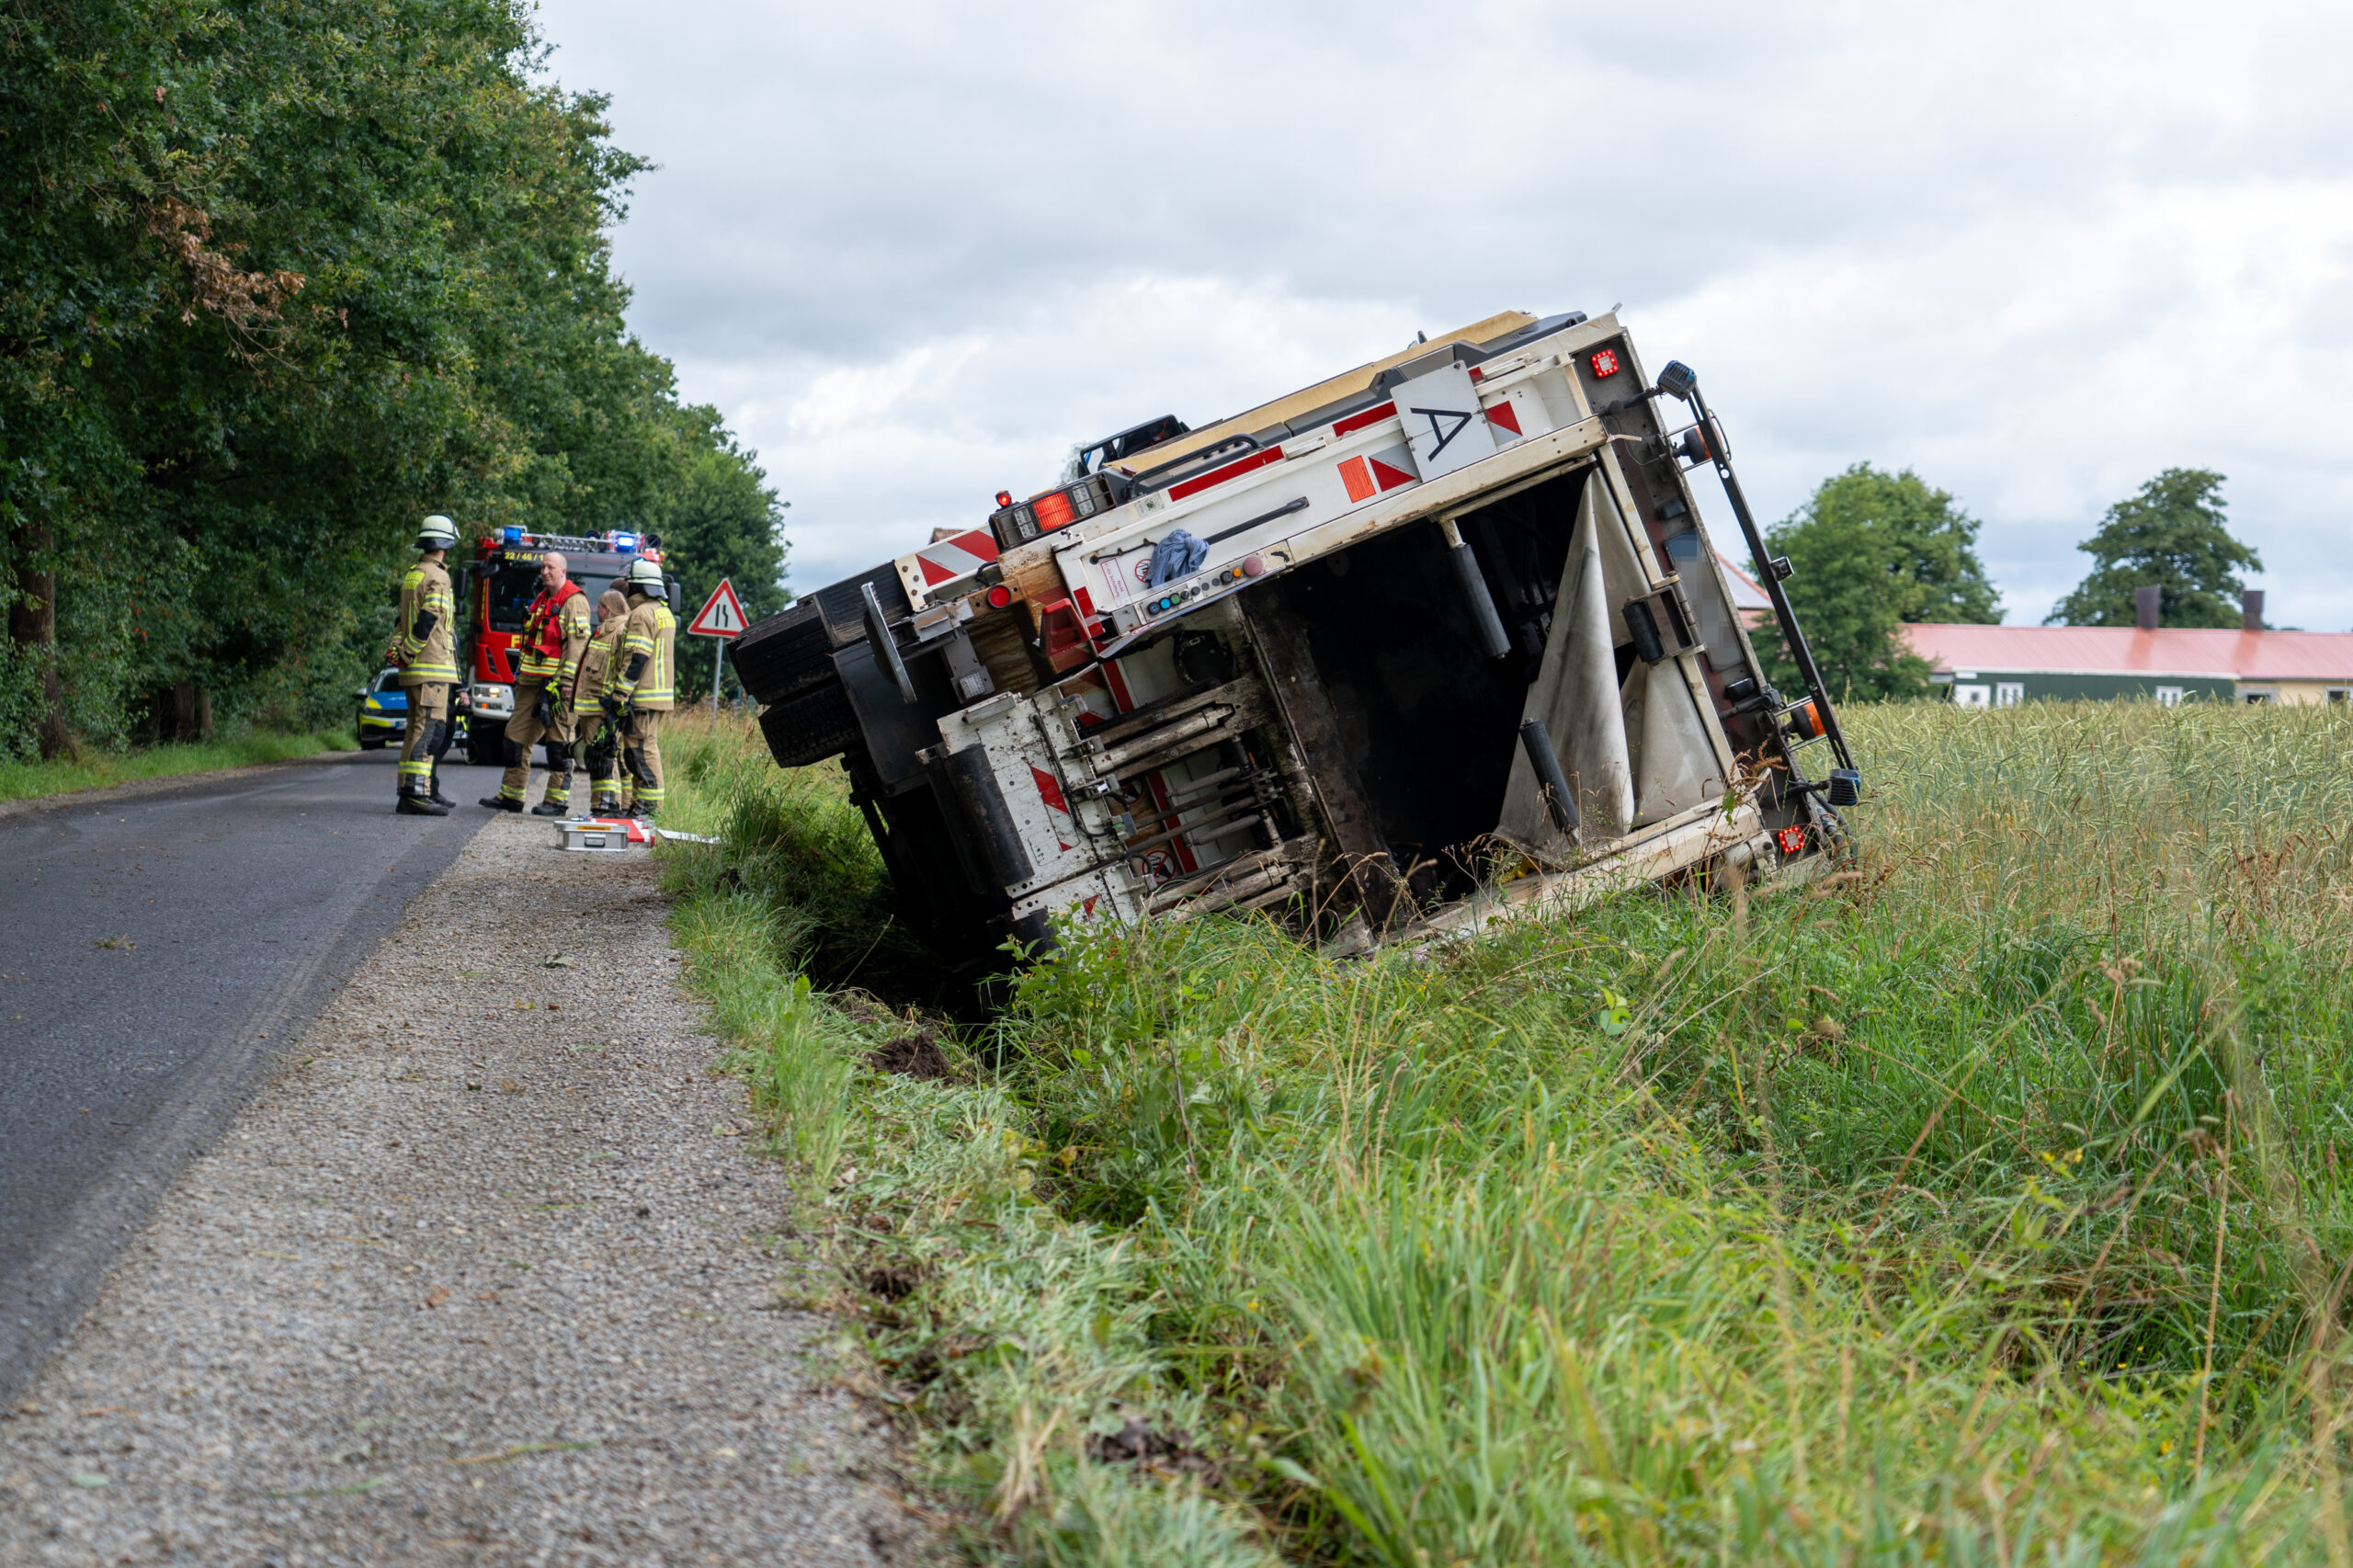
(784, 654)
(792, 651)
(811, 727)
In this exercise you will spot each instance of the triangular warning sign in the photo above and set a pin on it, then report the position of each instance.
(721, 614)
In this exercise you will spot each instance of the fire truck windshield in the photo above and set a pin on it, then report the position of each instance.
(513, 587)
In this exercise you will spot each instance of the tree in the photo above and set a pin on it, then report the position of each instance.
(719, 519)
(1872, 550)
(2172, 533)
(280, 278)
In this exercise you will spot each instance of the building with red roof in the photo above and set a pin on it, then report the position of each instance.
(1995, 666)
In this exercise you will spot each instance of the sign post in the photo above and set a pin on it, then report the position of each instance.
(721, 619)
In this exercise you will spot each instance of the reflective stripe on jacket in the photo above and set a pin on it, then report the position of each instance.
(597, 661)
(433, 657)
(652, 631)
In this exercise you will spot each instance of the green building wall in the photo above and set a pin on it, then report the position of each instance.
(2047, 686)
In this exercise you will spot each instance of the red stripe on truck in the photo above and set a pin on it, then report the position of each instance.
(1238, 467)
(1370, 416)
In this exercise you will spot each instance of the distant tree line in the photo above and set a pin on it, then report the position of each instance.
(1872, 550)
(276, 279)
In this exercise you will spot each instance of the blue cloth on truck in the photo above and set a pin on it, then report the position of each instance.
(1178, 555)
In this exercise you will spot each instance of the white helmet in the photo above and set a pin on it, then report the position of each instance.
(646, 576)
(438, 533)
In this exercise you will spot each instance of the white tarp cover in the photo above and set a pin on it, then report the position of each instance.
(1635, 754)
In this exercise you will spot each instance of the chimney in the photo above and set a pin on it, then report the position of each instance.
(2251, 611)
(2144, 606)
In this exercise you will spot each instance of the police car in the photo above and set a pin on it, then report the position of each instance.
(382, 717)
(383, 710)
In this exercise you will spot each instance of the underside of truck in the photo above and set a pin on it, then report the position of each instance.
(1311, 663)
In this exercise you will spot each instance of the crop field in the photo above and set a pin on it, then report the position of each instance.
(1991, 1201)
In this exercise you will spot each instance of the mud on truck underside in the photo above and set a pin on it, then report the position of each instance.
(1437, 642)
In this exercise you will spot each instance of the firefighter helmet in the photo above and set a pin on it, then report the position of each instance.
(438, 533)
(646, 576)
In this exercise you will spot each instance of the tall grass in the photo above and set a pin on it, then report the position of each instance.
(1986, 1203)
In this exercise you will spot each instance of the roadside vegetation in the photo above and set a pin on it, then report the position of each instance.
(1987, 1202)
(94, 769)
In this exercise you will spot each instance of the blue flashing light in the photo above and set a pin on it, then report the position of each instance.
(514, 534)
(624, 544)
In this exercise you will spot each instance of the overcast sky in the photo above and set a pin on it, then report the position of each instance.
(2035, 252)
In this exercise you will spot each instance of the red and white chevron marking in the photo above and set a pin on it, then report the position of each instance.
(958, 557)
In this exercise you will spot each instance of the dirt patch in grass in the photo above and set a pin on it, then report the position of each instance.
(913, 1055)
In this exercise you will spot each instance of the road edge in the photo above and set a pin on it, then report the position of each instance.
(71, 1272)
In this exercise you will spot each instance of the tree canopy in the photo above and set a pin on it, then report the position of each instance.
(276, 279)
(2174, 532)
(1872, 550)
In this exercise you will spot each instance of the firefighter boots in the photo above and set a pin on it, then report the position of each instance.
(503, 802)
(557, 801)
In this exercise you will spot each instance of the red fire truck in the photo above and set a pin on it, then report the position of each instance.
(503, 577)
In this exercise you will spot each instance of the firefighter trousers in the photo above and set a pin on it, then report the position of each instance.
(596, 745)
(641, 746)
(428, 737)
(525, 731)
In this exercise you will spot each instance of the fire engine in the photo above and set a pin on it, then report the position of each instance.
(1438, 642)
(503, 578)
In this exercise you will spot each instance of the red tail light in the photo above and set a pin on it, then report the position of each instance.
(1605, 363)
(998, 596)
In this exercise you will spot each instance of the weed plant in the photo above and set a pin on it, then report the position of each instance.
(1984, 1201)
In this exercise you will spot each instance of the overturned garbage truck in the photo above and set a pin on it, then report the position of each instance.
(1433, 642)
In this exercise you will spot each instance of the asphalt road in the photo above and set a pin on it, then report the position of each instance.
(158, 952)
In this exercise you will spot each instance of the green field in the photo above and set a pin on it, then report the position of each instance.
(1986, 1204)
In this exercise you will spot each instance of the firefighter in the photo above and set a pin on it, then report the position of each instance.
(594, 742)
(638, 690)
(424, 650)
(555, 633)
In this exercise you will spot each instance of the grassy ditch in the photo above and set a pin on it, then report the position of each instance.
(94, 769)
(1988, 1203)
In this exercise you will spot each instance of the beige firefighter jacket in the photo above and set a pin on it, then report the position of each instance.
(432, 655)
(653, 631)
(596, 660)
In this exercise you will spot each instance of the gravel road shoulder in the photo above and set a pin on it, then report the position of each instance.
(484, 1276)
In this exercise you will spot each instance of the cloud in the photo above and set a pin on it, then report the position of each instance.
(2037, 252)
